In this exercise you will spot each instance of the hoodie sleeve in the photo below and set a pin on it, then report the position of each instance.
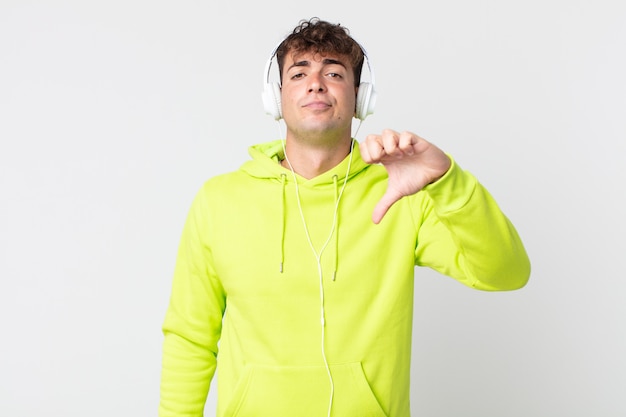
(193, 321)
(465, 235)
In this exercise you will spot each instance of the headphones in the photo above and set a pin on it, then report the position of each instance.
(365, 98)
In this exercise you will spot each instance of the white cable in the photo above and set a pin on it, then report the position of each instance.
(318, 255)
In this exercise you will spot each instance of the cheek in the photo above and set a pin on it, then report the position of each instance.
(287, 97)
(351, 103)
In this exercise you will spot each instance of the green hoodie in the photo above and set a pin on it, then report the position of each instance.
(248, 281)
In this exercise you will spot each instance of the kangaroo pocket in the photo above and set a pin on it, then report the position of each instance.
(272, 391)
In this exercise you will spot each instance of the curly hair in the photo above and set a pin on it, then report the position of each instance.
(321, 37)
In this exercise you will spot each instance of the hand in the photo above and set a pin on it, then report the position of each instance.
(411, 163)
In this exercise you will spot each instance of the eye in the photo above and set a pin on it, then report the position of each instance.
(297, 76)
(334, 75)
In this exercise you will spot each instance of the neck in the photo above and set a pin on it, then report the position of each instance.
(309, 161)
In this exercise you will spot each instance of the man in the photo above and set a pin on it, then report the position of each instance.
(300, 265)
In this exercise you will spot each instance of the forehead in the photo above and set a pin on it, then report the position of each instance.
(312, 56)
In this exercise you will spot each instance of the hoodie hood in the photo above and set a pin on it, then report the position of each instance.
(265, 164)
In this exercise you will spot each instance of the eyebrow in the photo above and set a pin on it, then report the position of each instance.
(325, 61)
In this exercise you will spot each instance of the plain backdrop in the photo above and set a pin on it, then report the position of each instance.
(113, 113)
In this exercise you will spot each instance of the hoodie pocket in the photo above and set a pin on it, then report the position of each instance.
(304, 392)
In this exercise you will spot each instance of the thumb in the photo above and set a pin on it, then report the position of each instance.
(387, 200)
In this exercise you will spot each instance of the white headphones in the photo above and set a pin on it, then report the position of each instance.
(365, 98)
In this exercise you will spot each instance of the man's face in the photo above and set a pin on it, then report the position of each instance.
(318, 94)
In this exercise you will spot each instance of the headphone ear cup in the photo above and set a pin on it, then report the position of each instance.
(365, 101)
(271, 100)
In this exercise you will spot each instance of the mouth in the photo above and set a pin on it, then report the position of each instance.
(317, 105)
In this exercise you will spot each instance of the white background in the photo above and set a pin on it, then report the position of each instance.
(112, 114)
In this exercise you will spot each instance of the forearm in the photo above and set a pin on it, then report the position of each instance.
(487, 250)
(191, 329)
(187, 371)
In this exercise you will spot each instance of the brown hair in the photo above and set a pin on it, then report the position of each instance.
(319, 36)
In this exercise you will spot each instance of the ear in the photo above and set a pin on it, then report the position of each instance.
(365, 100)
(272, 100)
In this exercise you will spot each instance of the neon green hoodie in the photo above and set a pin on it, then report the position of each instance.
(246, 280)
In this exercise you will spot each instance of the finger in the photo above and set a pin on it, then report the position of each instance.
(390, 141)
(365, 153)
(406, 143)
(387, 200)
(372, 149)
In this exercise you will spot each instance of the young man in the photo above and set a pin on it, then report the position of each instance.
(300, 265)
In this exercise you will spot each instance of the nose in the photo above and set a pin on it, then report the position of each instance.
(316, 83)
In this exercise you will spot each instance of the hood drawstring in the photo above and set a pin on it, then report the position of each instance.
(336, 227)
(283, 208)
(283, 220)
